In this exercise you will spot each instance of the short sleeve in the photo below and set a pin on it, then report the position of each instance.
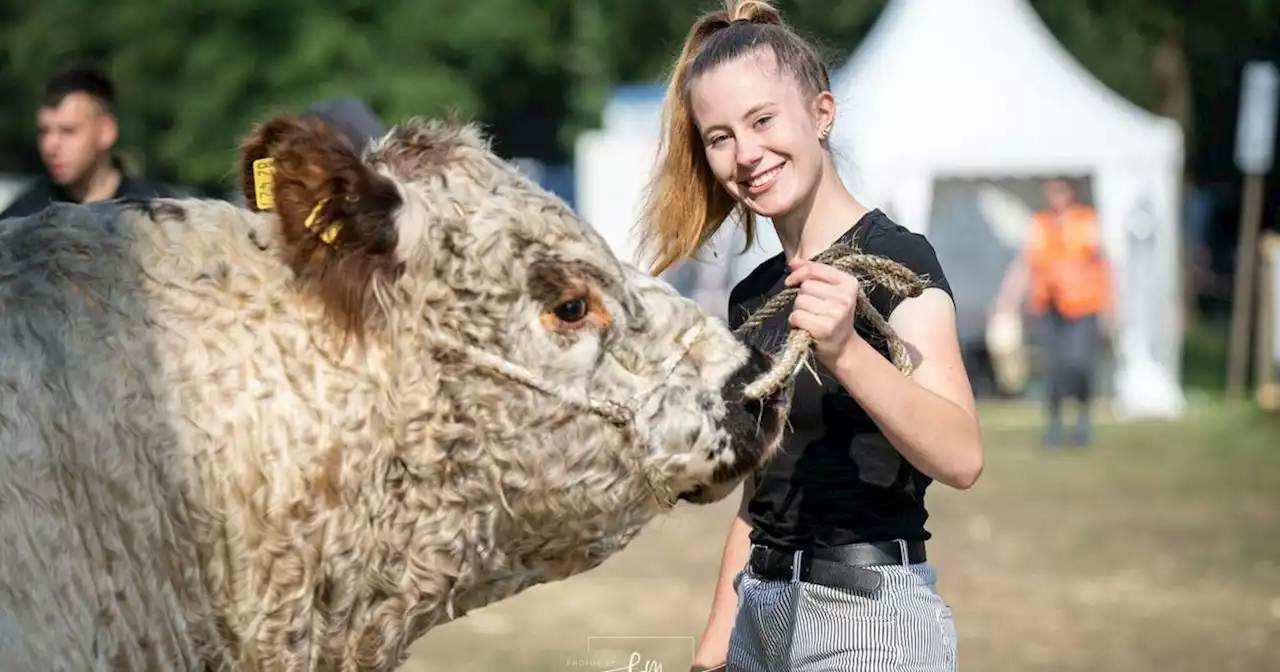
(913, 251)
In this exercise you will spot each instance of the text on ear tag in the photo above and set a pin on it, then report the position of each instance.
(264, 183)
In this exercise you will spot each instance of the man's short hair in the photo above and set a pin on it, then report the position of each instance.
(80, 78)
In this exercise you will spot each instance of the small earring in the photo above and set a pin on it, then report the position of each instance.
(824, 133)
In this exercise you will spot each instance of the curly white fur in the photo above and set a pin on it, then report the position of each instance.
(200, 471)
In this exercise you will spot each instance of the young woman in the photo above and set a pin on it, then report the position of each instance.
(824, 567)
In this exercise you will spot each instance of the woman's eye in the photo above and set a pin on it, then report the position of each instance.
(573, 310)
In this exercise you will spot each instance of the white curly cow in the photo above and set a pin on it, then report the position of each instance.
(297, 436)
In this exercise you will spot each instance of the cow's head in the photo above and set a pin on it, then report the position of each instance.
(553, 398)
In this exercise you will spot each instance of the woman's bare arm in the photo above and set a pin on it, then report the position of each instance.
(715, 638)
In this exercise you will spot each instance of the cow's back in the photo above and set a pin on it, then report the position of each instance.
(97, 568)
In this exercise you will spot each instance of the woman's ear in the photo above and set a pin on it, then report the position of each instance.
(824, 114)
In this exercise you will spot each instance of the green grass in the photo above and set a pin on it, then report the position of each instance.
(1157, 549)
(1204, 354)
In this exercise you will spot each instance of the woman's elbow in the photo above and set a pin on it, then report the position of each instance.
(968, 476)
(968, 468)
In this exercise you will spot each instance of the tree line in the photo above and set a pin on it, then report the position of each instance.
(193, 76)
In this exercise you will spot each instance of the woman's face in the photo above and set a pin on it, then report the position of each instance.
(761, 132)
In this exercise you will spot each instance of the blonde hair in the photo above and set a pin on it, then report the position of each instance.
(685, 205)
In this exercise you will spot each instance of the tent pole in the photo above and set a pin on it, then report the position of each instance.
(1242, 299)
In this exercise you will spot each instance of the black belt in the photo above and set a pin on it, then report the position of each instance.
(838, 566)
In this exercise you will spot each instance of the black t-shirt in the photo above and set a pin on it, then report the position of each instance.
(837, 479)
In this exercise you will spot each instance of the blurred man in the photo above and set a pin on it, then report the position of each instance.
(1066, 276)
(77, 130)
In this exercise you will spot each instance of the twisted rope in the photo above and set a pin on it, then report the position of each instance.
(621, 414)
(886, 273)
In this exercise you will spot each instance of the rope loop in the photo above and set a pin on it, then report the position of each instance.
(891, 275)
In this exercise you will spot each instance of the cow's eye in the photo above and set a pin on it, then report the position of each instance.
(571, 311)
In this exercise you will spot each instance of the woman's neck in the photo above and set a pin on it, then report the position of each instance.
(820, 219)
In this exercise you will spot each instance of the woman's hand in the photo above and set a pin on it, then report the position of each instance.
(824, 307)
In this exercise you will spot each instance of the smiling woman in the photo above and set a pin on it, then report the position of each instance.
(825, 566)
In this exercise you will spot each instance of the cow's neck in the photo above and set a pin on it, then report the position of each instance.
(291, 500)
(305, 507)
(339, 574)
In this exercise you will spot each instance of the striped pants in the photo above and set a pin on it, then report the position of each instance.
(806, 627)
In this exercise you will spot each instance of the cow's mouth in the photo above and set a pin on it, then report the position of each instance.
(754, 427)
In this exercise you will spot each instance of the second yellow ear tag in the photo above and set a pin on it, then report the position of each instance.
(264, 183)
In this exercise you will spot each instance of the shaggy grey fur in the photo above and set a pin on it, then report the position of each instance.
(200, 469)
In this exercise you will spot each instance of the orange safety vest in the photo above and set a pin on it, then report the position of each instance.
(1068, 270)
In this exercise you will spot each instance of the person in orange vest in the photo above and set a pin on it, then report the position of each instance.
(1065, 276)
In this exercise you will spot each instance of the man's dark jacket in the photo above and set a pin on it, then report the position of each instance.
(43, 191)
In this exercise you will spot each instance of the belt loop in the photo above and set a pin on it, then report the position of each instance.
(795, 566)
(902, 547)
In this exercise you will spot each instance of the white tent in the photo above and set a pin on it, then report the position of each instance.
(981, 88)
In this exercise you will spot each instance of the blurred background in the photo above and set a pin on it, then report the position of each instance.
(1157, 549)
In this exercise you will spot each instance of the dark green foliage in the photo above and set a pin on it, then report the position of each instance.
(193, 76)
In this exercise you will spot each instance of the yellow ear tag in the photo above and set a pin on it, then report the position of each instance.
(330, 232)
(264, 182)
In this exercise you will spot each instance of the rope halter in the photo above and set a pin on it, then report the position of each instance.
(621, 414)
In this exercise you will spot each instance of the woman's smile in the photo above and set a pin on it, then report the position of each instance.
(762, 182)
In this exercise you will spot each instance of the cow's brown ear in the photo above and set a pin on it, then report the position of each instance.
(337, 216)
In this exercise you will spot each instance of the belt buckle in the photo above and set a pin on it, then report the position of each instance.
(795, 565)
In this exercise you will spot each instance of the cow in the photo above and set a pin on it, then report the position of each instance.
(392, 387)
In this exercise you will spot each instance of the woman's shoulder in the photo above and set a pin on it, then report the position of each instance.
(881, 236)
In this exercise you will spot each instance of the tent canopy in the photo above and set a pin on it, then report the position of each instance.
(970, 85)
